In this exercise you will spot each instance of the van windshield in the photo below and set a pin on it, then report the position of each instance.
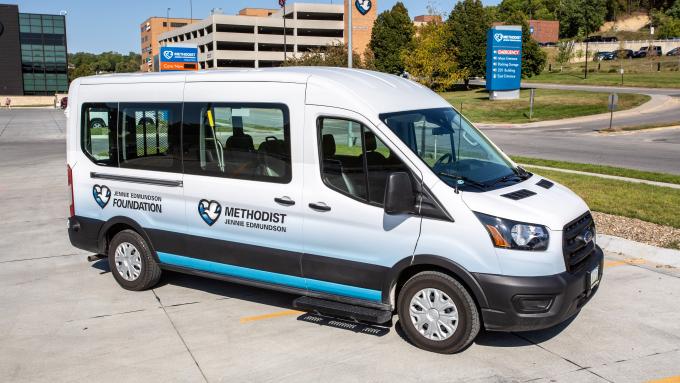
(454, 149)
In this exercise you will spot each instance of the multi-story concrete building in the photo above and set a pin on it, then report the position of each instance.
(254, 38)
(150, 30)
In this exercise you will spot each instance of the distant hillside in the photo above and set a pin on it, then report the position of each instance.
(631, 23)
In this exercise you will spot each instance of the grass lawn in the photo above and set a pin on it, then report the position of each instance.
(601, 169)
(654, 204)
(548, 105)
(637, 72)
(669, 79)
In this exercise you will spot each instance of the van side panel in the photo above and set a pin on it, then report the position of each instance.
(151, 198)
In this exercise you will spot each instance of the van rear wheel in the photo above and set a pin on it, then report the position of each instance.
(437, 313)
(131, 262)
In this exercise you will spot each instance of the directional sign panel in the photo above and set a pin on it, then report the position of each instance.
(178, 58)
(504, 57)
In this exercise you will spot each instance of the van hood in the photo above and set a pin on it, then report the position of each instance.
(553, 207)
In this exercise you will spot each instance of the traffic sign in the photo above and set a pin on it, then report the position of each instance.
(178, 58)
(613, 101)
(504, 57)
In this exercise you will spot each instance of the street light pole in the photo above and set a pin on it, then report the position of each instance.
(167, 19)
(349, 34)
(586, 17)
(191, 10)
(285, 35)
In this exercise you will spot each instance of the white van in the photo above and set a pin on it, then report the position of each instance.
(364, 193)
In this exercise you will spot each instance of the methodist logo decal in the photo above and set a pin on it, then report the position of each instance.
(101, 194)
(363, 6)
(498, 37)
(209, 210)
(168, 54)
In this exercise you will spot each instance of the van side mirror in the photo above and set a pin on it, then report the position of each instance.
(399, 196)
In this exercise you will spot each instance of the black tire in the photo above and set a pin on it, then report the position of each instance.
(150, 271)
(468, 315)
(97, 123)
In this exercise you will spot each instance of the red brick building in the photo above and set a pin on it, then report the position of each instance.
(543, 31)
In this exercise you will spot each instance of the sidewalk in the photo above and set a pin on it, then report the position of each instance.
(619, 178)
(657, 104)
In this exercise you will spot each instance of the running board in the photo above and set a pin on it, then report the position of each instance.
(342, 310)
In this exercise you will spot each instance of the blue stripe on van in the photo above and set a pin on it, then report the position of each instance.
(267, 276)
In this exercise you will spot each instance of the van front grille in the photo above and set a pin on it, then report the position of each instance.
(577, 248)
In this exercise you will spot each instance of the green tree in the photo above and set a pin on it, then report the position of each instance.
(565, 52)
(533, 57)
(534, 9)
(331, 55)
(581, 17)
(468, 25)
(667, 26)
(392, 33)
(88, 64)
(432, 62)
(674, 11)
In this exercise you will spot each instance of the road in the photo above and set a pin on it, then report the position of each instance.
(577, 139)
(64, 319)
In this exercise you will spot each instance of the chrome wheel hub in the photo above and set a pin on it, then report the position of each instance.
(434, 314)
(128, 261)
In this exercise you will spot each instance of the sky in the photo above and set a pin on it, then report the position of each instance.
(104, 25)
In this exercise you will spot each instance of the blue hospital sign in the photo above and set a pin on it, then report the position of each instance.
(504, 58)
(178, 58)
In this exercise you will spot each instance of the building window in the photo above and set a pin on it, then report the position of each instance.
(177, 25)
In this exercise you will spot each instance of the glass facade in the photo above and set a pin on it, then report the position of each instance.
(43, 53)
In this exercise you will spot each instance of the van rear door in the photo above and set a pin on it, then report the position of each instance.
(350, 243)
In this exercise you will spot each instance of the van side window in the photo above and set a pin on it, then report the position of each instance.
(149, 137)
(98, 136)
(354, 161)
(244, 141)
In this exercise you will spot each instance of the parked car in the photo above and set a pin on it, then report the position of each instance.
(622, 54)
(674, 52)
(601, 39)
(602, 56)
(645, 51)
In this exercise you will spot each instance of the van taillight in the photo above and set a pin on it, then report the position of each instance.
(72, 209)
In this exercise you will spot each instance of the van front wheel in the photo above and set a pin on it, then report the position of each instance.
(437, 313)
(131, 262)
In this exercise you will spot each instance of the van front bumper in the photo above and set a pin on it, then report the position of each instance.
(534, 303)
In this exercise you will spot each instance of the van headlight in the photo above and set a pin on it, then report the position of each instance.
(510, 234)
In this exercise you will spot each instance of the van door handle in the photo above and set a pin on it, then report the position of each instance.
(287, 201)
(320, 206)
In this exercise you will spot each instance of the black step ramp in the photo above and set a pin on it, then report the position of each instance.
(342, 310)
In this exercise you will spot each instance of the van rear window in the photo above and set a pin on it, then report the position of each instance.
(98, 136)
(150, 136)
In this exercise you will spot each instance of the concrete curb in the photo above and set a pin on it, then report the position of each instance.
(607, 176)
(632, 249)
(654, 105)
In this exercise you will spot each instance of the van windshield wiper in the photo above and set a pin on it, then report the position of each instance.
(516, 173)
(476, 184)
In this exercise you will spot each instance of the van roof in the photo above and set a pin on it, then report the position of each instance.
(360, 90)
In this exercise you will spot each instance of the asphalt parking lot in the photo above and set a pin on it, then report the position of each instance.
(64, 319)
